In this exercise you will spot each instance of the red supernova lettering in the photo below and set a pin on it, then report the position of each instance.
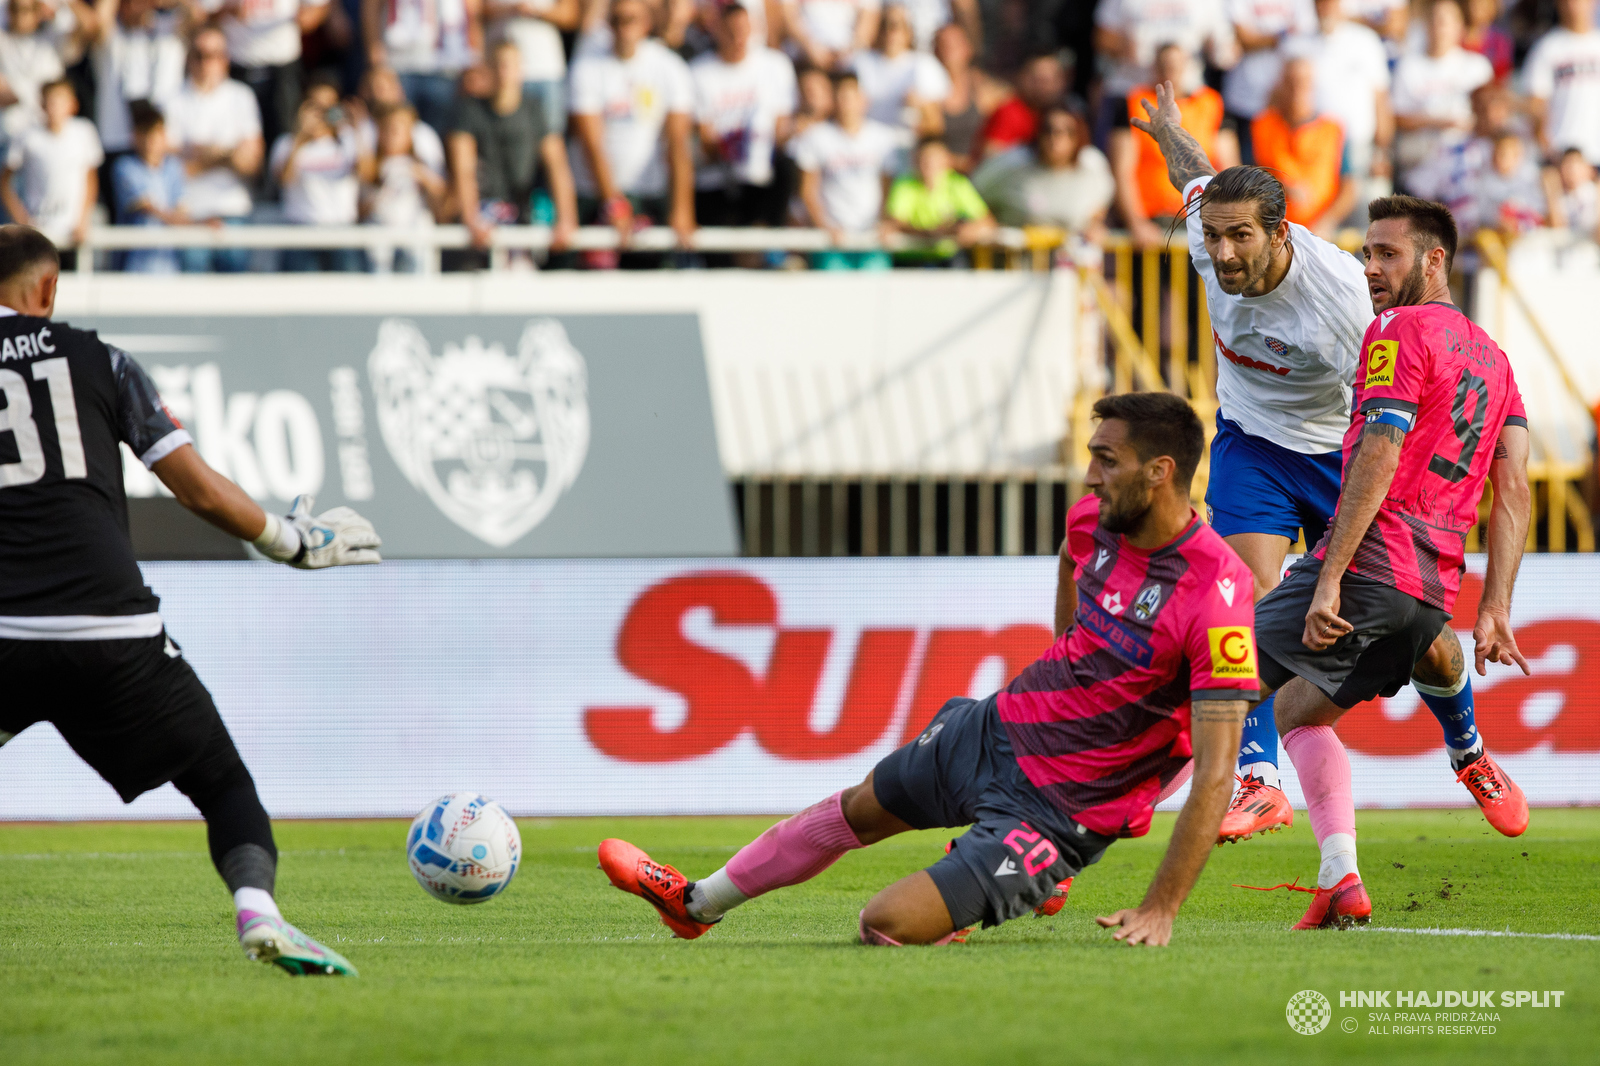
(725, 699)
(1244, 360)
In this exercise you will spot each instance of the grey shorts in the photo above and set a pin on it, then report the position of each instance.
(962, 771)
(1391, 630)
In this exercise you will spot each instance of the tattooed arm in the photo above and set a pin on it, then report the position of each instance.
(1214, 728)
(1186, 160)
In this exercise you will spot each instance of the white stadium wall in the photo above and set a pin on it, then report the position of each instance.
(696, 687)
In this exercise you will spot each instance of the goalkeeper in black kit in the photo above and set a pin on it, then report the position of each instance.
(82, 644)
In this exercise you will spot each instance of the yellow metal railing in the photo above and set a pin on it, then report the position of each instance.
(1159, 336)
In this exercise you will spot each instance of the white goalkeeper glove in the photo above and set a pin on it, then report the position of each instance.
(339, 537)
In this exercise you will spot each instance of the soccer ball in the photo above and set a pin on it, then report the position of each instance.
(463, 848)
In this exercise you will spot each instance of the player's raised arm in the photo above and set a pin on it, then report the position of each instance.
(1186, 160)
(339, 537)
(1508, 535)
(1215, 726)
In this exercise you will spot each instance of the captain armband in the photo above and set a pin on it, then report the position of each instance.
(1390, 416)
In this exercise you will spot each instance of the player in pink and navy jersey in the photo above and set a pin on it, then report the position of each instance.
(1154, 665)
(1437, 412)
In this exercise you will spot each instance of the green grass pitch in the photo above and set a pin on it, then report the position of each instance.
(117, 946)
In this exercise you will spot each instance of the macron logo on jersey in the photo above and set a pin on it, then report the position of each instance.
(1226, 587)
(1384, 320)
(1100, 560)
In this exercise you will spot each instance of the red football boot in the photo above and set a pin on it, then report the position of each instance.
(1504, 805)
(631, 870)
(1057, 900)
(1257, 808)
(1339, 907)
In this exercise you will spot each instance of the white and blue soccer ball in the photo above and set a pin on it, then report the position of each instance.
(463, 848)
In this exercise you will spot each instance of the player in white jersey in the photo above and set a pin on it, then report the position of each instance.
(1288, 311)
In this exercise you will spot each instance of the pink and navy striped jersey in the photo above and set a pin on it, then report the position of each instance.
(1434, 364)
(1100, 723)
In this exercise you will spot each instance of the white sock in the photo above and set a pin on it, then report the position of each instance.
(1267, 771)
(255, 899)
(1459, 757)
(713, 897)
(1338, 859)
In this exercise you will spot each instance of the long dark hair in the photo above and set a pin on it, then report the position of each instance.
(1244, 185)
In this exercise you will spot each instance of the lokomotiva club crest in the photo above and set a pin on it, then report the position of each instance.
(493, 439)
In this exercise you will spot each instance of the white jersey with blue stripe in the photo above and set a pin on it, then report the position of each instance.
(1286, 360)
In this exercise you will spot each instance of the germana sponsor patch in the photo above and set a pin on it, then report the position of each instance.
(1233, 652)
(1380, 362)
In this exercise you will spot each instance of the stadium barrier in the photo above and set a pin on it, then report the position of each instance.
(1010, 247)
(700, 687)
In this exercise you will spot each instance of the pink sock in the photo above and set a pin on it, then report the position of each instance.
(795, 850)
(1324, 769)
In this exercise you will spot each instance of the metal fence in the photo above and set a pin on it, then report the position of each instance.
(1008, 248)
(1017, 514)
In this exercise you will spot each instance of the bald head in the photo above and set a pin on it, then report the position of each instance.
(29, 269)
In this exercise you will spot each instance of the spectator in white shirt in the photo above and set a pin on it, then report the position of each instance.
(1508, 195)
(1353, 88)
(535, 27)
(264, 44)
(905, 88)
(428, 43)
(380, 92)
(59, 167)
(928, 17)
(1575, 196)
(215, 126)
(745, 97)
(137, 55)
(845, 166)
(405, 192)
(630, 123)
(1129, 32)
(1389, 19)
(1561, 77)
(825, 33)
(319, 167)
(1261, 26)
(1433, 89)
(39, 43)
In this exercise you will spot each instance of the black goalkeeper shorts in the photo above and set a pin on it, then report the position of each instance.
(962, 771)
(132, 709)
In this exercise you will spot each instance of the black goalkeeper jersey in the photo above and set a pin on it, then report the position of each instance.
(67, 399)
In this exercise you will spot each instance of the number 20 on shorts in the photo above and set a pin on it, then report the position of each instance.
(1043, 855)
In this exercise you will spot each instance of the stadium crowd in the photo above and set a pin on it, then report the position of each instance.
(937, 118)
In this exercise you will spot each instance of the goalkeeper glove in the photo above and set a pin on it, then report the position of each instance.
(339, 537)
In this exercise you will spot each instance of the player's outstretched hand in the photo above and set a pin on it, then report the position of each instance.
(1140, 925)
(339, 537)
(1493, 642)
(1165, 112)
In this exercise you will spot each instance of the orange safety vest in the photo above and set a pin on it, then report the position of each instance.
(1305, 158)
(1202, 117)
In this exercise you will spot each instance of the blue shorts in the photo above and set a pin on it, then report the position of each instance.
(1257, 486)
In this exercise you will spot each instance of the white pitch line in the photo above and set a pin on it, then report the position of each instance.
(1483, 932)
